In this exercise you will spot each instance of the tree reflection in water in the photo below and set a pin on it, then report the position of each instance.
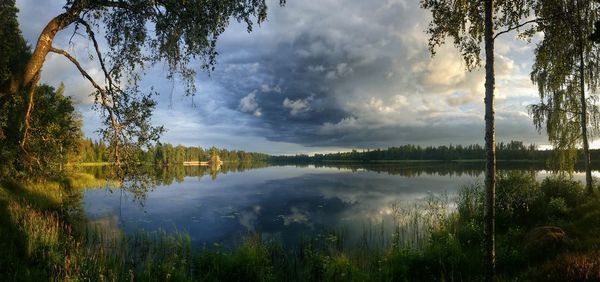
(138, 180)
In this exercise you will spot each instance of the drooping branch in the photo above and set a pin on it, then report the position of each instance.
(79, 67)
(92, 37)
(103, 95)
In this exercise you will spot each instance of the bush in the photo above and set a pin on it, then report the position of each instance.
(401, 265)
(470, 203)
(340, 268)
(560, 187)
(445, 258)
(510, 255)
(516, 202)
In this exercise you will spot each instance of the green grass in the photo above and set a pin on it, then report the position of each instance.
(92, 164)
(84, 180)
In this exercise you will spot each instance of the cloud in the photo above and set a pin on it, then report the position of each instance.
(248, 104)
(299, 106)
(366, 68)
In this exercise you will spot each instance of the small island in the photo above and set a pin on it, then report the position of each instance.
(214, 160)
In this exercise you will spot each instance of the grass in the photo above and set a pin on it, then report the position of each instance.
(44, 239)
(85, 180)
(92, 164)
(44, 236)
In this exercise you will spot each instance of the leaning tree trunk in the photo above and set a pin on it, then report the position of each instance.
(490, 146)
(29, 78)
(38, 57)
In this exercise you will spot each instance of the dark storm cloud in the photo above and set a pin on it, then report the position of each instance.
(361, 76)
(341, 73)
(292, 92)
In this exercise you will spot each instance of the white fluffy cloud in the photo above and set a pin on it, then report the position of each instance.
(299, 106)
(248, 104)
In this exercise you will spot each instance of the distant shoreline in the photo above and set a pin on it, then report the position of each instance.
(428, 161)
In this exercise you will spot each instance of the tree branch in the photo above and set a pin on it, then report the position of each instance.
(32, 89)
(92, 36)
(536, 20)
(103, 95)
(78, 65)
(112, 4)
(517, 27)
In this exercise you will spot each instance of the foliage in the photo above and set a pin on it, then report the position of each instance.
(167, 154)
(53, 137)
(14, 51)
(513, 150)
(564, 188)
(463, 22)
(138, 34)
(517, 196)
(565, 67)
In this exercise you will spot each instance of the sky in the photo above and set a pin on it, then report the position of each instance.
(320, 76)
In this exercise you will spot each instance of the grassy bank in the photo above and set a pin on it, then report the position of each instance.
(546, 230)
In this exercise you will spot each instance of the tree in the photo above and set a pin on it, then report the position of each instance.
(566, 65)
(468, 23)
(55, 129)
(214, 155)
(138, 33)
(13, 48)
(54, 138)
(14, 52)
(595, 36)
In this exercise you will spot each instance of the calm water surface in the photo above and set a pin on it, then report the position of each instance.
(279, 201)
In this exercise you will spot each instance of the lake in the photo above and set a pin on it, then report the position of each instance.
(283, 202)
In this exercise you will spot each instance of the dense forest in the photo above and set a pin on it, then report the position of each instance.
(165, 154)
(510, 151)
(91, 151)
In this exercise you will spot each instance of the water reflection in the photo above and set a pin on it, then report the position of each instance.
(280, 201)
(166, 175)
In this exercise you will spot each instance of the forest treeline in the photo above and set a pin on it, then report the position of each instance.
(91, 151)
(509, 151)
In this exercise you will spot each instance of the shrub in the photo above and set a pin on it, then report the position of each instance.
(470, 202)
(400, 265)
(444, 257)
(340, 268)
(561, 187)
(517, 196)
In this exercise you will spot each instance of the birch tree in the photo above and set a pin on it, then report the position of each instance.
(469, 23)
(566, 72)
